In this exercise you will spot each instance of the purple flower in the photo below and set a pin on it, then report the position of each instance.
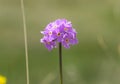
(48, 44)
(60, 31)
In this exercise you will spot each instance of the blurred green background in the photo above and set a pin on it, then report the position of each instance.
(95, 60)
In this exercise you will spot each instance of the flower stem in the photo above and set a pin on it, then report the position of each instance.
(60, 63)
(25, 40)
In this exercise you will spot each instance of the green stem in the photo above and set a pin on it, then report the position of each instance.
(60, 63)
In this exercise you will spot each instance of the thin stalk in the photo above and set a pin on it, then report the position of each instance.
(25, 40)
(60, 63)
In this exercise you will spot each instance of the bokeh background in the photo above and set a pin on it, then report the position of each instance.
(95, 60)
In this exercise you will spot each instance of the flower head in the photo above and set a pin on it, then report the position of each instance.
(60, 31)
(2, 80)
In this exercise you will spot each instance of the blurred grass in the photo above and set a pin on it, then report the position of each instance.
(95, 60)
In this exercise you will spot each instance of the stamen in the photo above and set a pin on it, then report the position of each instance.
(50, 33)
(58, 34)
(48, 42)
(66, 40)
(65, 29)
(55, 26)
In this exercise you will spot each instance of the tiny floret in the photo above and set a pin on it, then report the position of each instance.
(60, 31)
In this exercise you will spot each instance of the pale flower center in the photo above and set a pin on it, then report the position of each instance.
(48, 42)
(55, 26)
(65, 29)
(58, 33)
(66, 40)
(50, 33)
